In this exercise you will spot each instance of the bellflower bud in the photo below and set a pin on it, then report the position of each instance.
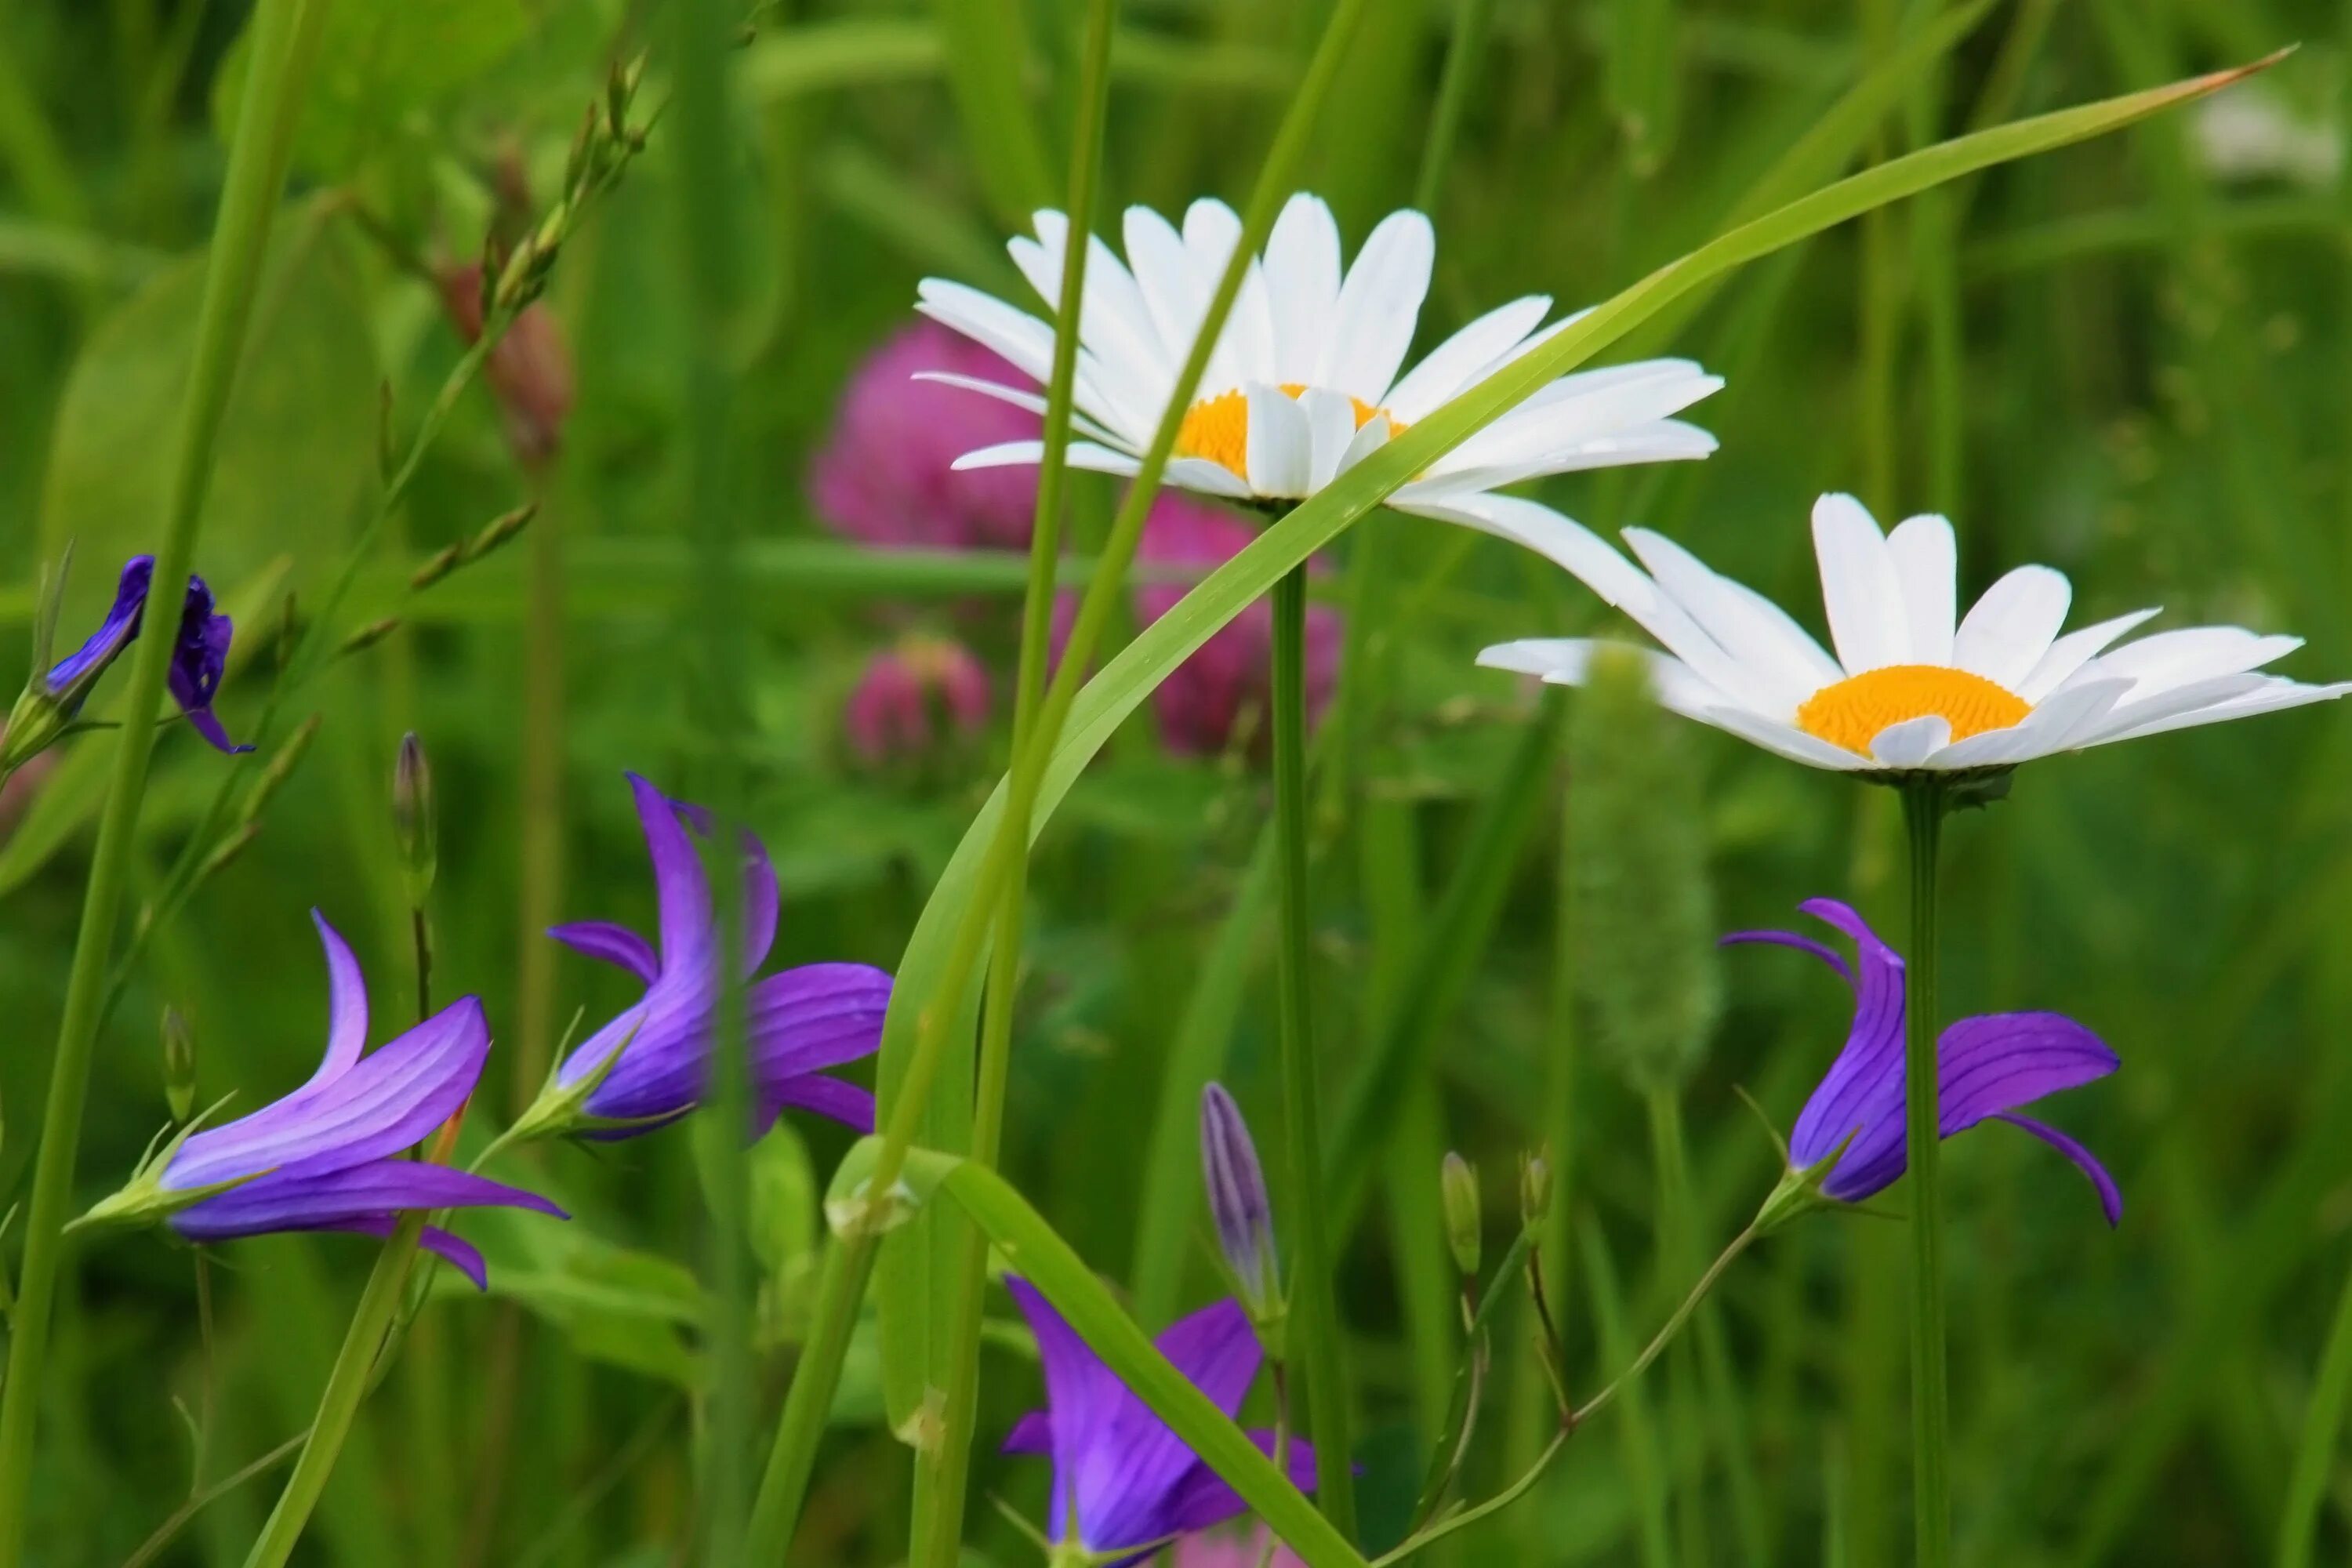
(411, 818)
(1457, 1182)
(1238, 1203)
(179, 1064)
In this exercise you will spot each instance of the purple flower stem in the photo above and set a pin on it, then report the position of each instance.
(1924, 804)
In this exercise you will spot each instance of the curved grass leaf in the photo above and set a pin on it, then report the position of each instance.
(1113, 694)
(1032, 1249)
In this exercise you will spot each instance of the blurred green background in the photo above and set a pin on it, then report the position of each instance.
(2130, 360)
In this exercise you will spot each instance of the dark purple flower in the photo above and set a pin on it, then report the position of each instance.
(198, 660)
(885, 475)
(1125, 1476)
(199, 654)
(1987, 1067)
(328, 1155)
(658, 1049)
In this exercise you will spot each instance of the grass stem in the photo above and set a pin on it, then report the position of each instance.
(284, 35)
(1314, 1303)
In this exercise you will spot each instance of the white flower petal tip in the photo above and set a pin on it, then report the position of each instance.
(1308, 327)
(1909, 692)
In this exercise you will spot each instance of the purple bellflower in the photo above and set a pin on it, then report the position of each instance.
(651, 1063)
(1987, 1067)
(199, 653)
(328, 1155)
(1120, 1474)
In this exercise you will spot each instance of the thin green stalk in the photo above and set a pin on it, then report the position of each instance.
(2323, 1424)
(338, 1405)
(942, 1472)
(1637, 1443)
(1923, 819)
(1686, 1447)
(1667, 1330)
(540, 838)
(1531, 1396)
(907, 1089)
(711, 247)
(1314, 1303)
(281, 53)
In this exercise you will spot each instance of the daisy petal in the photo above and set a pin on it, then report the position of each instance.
(1379, 306)
(2175, 658)
(2270, 697)
(1911, 742)
(1174, 291)
(1447, 368)
(1927, 562)
(1860, 589)
(1331, 429)
(2013, 626)
(1018, 397)
(1279, 444)
(1302, 283)
(2068, 654)
(1749, 626)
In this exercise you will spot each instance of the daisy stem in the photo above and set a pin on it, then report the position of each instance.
(284, 35)
(338, 1405)
(943, 1473)
(1922, 817)
(1314, 1309)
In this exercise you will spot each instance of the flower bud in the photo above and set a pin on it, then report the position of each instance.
(915, 700)
(412, 823)
(1535, 1187)
(1457, 1183)
(368, 635)
(179, 1065)
(1644, 911)
(1239, 1204)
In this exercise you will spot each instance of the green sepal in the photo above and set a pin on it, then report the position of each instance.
(143, 1200)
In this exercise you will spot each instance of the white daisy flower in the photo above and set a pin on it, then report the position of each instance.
(1907, 690)
(1304, 381)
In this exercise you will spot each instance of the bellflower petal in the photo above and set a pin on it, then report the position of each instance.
(614, 944)
(655, 1055)
(1987, 1067)
(325, 1157)
(199, 658)
(1129, 1478)
(71, 678)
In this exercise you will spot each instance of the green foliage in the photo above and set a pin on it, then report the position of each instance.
(298, 448)
(2150, 393)
(386, 69)
(1645, 913)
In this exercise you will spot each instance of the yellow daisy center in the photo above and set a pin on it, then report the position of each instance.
(1217, 427)
(1851, 712)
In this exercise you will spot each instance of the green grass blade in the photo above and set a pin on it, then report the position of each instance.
(987, 56)
(1127, 680)
(1033, 1251)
